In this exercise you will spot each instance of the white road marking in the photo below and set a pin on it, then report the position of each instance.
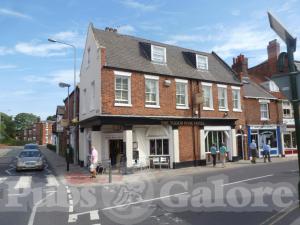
(254, 178)
(69, 196)
(68, 191)
(24, 182)
(94, 215)
(51, 191)
(70, 202)
(2, 179)
(71, 209)
(138, 202)
(51, 181)
(8, 171)
(33, 212)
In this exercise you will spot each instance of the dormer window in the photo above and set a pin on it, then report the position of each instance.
(158, 54)
(201, 62)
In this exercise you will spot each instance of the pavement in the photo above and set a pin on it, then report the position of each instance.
(80, 176)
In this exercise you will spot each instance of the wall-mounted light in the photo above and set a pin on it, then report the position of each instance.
(225, 114)
(167, 83)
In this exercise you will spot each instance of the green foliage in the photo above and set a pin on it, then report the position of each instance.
(51, 147)
(24, 120)
(7, 128)
(51, 118)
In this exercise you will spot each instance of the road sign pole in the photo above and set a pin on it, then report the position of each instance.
(291, 44)
(295, 103)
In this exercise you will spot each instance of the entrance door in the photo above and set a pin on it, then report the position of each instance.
(115, 151)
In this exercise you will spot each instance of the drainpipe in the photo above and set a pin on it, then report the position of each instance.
(193, 126)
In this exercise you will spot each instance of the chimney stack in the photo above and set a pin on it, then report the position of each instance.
(273, 49)
(240, 66)
(110, 29)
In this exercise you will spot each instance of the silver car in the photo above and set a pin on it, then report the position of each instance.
(29, 159)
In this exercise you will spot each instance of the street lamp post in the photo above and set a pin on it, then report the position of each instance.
(63, 85)
(75, 94)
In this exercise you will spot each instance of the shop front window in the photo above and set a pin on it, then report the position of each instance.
(290, 140)
(159, 147)
(268, 137)
(214, 137)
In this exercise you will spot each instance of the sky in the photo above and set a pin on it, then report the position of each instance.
(31, 67)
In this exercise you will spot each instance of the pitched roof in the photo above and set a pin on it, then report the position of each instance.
(253, 90)
(132, 53)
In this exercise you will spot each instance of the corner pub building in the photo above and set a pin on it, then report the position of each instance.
(144, 100)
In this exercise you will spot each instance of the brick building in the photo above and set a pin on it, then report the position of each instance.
(39, 132)
(261, 74)
(146, 100)
(263, 111)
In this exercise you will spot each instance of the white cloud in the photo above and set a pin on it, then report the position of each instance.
(7, 66)
(287, 6)
(5, 50)
(78, 40)
(12, 13)
(35, 48)
(138, 5)
(185, 38)
(126, 29)
(235, 12)
(243, 38)
(66, 76)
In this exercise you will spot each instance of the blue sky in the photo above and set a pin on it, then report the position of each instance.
(31, 67)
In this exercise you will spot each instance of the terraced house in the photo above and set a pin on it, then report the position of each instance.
(153, 103)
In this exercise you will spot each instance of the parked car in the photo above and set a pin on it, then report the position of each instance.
(31, 146)
(29, 159)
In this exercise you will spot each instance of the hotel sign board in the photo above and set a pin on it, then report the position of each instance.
(182, 123)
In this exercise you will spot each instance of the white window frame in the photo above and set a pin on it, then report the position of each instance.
(84, 102)
(211, 100)
(123, 74)
(261, 102)
(153, 47)
(226, 97)
(156, 79)
(290, 107)
(197, 62)
(238, 89)
(93, 100)
(185, 83)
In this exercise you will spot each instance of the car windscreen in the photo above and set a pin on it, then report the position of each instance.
(29, 154)
(31, 147)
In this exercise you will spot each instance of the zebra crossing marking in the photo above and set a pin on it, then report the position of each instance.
(51, 181)
(24, 182)
(2, 179)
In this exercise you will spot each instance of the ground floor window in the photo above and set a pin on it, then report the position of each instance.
(159, 146)
(268, 137)
(290, 139)
(214, 137)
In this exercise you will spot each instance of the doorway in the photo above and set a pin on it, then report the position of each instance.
(116, 150)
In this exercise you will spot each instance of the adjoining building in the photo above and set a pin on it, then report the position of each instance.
(142, 100)
(261, 74)
(262, 111)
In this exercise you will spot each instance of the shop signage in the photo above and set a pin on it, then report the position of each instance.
(182, 123)
(263, 127)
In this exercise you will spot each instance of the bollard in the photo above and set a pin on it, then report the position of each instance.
(109, 173)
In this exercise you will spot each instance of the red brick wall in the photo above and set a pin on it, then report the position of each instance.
(252, 109)
(186, 152)
(167, 98)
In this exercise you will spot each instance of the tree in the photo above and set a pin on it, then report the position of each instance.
(24, 120)
(7, 127)
(51, 118)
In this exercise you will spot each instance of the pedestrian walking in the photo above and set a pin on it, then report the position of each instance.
(266, 152)
(94, 161)
(213, 152)
(253, 149)
(223, 154)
